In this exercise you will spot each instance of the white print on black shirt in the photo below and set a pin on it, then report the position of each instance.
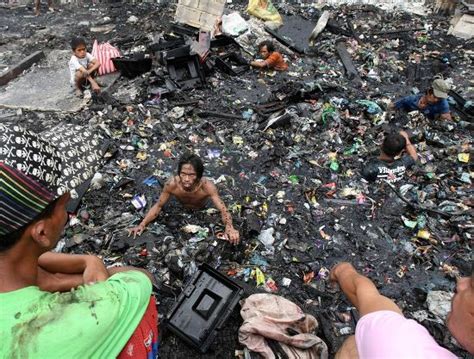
(392, 175)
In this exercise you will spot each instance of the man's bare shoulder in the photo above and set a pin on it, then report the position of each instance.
(208, 185)
(171, 184)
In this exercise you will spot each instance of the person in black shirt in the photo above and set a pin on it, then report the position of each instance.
(386, 166)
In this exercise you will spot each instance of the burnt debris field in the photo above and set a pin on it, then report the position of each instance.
(285, 150)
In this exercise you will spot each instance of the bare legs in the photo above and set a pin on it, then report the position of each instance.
(37, 6)
(80, 81)
(363, 294)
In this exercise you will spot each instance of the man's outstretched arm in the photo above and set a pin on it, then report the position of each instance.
(260, 64)
(230, 231)
(153, 212)
(360, 290)
(446, 116)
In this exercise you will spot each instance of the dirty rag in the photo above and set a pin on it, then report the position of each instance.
(268, 316)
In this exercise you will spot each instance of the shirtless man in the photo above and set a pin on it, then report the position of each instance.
(193, 191)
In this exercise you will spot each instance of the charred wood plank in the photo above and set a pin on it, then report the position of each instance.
(351, 72)
(397, 31)
(20, 67)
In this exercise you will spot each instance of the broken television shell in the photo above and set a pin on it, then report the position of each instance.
(203, 307)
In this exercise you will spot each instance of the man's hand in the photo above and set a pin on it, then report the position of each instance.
(95, 271)
(409, 148)
(57, 282)
(59, 272)
(258, 63)
(333, 274)
(446, 116)
(422, 103)
(405, 135)
(232, 235)
(136, 231)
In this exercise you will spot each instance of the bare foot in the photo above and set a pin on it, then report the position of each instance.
(96, 88)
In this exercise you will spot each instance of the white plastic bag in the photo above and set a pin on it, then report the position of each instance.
(234, 24)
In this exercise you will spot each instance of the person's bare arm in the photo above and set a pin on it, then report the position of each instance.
(409, 148)
(69, 263)
(360, 290)
(115, 270)
(93, 66)
(231, 232)
(446, 116)
(57, 282)
(59, 272)
(258, 64)
(154, 211)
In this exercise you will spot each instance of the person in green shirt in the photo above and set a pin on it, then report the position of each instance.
(56, 305)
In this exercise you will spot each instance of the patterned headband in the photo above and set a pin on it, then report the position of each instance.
(37, 168)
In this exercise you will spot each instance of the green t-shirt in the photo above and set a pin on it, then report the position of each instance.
(92, 321)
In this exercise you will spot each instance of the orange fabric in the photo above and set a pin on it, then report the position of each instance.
(143, 343)
(276, 62)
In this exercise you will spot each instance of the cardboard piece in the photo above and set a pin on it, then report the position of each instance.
(201, 14)
(463, 28)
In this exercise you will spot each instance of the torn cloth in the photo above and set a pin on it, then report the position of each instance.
(274, 317)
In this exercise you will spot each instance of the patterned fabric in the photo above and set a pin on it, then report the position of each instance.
(105, 53)
(21, 199)
(143, 343)
(36, 169)
(80, 153)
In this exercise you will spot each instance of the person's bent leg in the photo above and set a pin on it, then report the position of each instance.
(348, 350)
(361, 291)
(95, 86)
(37, 7)
(79, 81)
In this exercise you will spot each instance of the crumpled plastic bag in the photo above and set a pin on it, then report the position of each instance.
(104, 53)
(234, 24)
(439, 304)
(372, 108)
(264, 9)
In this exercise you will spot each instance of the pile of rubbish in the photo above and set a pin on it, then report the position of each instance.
(285, 151)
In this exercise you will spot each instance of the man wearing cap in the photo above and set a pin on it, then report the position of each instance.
(433, 103)
(56, 305)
